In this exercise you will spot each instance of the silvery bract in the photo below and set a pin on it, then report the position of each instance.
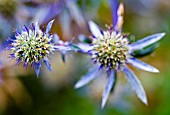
(112, 51)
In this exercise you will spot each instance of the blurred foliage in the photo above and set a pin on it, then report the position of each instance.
(22, 93)
(8, 8)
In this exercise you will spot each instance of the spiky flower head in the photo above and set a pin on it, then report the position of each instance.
(110, 50)
(32, 46)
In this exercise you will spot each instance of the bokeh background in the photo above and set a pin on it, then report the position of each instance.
(53, 93)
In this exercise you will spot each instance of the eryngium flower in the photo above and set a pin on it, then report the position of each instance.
(33, 45)
(110, 50)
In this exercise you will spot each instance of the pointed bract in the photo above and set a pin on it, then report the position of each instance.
(48, 65)
(145, 51)
(62, 48)
(92, 73)
(18, 61)
(141, 65)
(37, 27)
(146, 41)
(120, 19)
(25, 65)
(85, 47)
(25, 29)
(135, 84)
(114, 7)
(17, 33)
(49, 26)
(37, 68)
(109, 85)
(94, 29)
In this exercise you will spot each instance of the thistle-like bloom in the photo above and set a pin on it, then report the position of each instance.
(33, 46)
(111, 50)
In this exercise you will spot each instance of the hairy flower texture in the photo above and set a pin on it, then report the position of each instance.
(33, 45)
(111, 50)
